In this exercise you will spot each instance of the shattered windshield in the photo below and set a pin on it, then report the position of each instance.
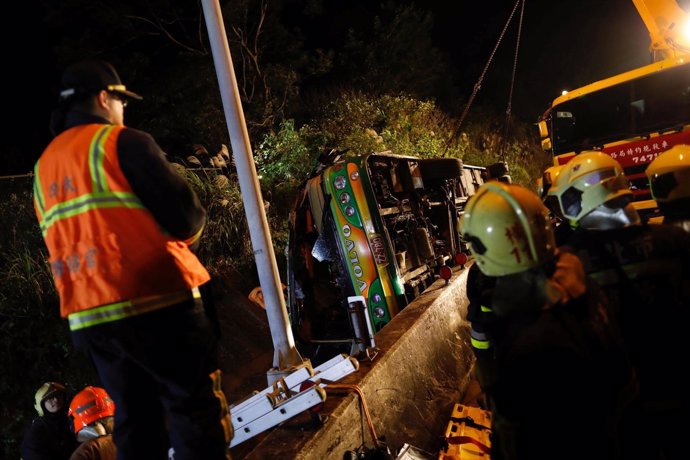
(657, 102)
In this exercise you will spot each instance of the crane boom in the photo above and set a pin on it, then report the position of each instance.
(668, 25)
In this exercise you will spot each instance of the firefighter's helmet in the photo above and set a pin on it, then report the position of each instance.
(669, 175)
(48, 390)
(548, 178)
(508, 229)
(90, 405)
(588, 181)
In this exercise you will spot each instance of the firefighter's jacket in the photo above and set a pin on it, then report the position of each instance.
(117, 247)
(645, 273)
(550, 363)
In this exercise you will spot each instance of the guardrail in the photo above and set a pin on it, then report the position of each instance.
(423, 369)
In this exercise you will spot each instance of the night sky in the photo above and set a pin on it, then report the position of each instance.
(563, 45)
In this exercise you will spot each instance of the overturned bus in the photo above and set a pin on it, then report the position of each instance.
(367, 235)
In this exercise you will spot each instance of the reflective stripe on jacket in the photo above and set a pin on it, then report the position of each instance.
(479, 339)
(106, 249)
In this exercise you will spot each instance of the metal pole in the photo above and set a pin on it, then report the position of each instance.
(286, 357)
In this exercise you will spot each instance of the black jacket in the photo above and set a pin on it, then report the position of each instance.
(49, 437)
(556, 368)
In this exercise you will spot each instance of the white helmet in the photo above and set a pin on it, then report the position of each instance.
(508, 229)
(588, 181)
(547, 179)
(669, 175)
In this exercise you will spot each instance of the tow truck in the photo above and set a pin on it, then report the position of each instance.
(633, 116)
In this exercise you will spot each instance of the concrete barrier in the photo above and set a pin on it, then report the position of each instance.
(423, 368)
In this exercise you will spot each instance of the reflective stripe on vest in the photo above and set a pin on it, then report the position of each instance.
(96, 155)
(194, 238)
(479, 340)
(107, 251)
(101, 197)
(128, 308)
(39, 200)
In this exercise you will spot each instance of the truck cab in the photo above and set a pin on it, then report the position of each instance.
(633, 116)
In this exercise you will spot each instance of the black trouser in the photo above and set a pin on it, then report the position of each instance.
(157, 368)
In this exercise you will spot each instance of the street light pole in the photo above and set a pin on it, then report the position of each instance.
(286, 358)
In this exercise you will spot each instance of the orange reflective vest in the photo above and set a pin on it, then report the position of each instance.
(109, 257)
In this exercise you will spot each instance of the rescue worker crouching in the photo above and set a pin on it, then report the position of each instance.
(50, 435)
(556, 365)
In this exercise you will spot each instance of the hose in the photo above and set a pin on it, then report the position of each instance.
(351, 388)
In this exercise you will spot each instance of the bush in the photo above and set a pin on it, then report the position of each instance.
(35, 343)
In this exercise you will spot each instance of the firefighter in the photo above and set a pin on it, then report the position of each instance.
(669, 181)
(560, 227)
(645, 273)
(480, 286)
(49, 437)
(482, 320)
(558, 368)
(545, 182)
(120, 224)
(92, 412)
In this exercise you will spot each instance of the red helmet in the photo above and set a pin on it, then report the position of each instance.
(90, 405)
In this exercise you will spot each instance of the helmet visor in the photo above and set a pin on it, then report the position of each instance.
(596, 177)
(663, 184)
(571, 202)
(600, 187)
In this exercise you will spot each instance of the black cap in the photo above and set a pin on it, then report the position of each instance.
(92, 76)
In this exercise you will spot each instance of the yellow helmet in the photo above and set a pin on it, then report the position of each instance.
(47, 390)
(669, 174)
(548, 178)
(540, 186)
(508, 229)
(587, 181)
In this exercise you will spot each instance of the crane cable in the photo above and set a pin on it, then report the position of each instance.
(478, 85)
(509, 107)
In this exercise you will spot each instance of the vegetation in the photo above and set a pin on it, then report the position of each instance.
(372, 87)
(34, 341)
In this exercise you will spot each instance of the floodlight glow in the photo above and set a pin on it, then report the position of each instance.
(685, 31)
